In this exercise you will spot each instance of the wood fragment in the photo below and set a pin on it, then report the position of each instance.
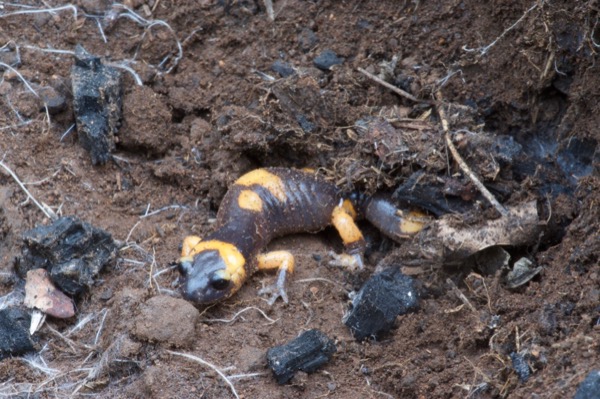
(462, 164)
(392, 87)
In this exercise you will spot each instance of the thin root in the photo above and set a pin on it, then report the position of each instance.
(209, 365)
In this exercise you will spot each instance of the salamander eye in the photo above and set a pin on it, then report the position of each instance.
(218, 283)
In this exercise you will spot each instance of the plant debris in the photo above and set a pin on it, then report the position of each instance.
(447, 240)
(521, 273)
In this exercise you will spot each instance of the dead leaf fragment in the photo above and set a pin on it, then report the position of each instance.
(40, 293)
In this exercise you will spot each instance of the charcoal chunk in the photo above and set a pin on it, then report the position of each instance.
(308, 352)
(97, 102)
(590, 387)
(519, 364)
(381, 299)
(282, 68)
(327, 59)
(73, 251)
(14, 333)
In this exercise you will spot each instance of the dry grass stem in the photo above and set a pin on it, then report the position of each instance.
(269, 7)
(41, 10)
(460, 295)
(44, 209)
(209, 365)
(235, 316)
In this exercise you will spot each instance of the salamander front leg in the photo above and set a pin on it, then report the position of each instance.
(284, 262)
(342, 219)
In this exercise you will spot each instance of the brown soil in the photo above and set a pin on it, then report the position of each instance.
(187, 134)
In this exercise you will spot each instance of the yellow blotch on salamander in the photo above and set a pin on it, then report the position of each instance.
(413, 222)
(266, 179)
(250, 200)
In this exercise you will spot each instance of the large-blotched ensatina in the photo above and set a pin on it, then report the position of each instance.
(268, 203)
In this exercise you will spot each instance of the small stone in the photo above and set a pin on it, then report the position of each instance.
(590, 387)
(40, 293)
(9, 56)
(282, 68)
(53, 100)
(327, 59)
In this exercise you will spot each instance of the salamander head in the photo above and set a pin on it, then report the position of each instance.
(213, 273)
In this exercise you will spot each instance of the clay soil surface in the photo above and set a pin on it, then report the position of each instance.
(527, 71)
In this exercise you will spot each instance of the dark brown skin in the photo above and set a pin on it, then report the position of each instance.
(308, 207)
(262, 205)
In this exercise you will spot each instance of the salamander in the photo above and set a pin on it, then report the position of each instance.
(272, 202)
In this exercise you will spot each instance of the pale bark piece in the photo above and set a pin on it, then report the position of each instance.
(448, 241)
(40, 293)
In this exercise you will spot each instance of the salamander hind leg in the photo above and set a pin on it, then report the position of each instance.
(284, 262)
(342, 219)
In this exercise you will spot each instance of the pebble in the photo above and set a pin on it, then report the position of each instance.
(327, 59)
(590, 387)
(40, 293)
(283, 68)
(53, 100)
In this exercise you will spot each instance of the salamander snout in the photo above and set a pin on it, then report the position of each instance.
(205, 277)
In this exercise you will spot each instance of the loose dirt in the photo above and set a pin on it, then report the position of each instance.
(525, 70)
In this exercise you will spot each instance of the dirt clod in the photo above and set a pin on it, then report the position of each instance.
(166, 320)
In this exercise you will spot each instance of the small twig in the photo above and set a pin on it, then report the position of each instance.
(269, 7)
(99, 332)
(16, 178)
(460, 295)
(391, 87)
(209, 365)
(462, 164)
